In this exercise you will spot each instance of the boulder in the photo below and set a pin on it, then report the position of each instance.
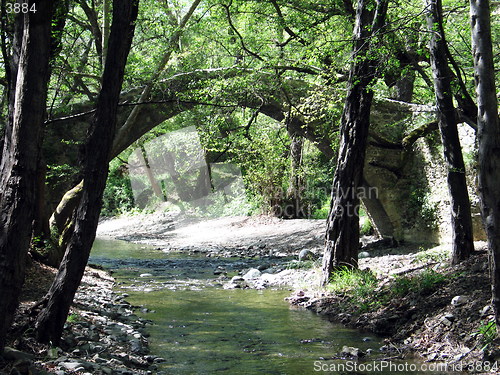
(306, 254)
(252, 274)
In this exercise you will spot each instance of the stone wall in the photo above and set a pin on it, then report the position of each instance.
(413, 191)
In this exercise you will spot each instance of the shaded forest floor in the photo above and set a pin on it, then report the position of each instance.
(101, 336)
(411, 302)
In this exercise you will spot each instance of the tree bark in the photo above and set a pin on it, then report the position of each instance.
(18, 169)
(294, 206)
(342, 233)
(50, 321)
(461, 220)
(105, 30)
(488, 136)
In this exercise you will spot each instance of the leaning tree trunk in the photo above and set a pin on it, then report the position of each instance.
(342, 234)
(461, 220)
(20, 158)
(488, 136)
(50, 321)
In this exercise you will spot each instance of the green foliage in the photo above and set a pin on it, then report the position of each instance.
(73, 318)
(323, 211)
(470, 159)
(58, 177)
(365, 224)
(118, 197)
(421, 209)
(423, 283)
(358, 283)
(301, 264)
(359, 286)
(432, 255)
(488, 333)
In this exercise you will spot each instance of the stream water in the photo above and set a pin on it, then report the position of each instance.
(201, 328)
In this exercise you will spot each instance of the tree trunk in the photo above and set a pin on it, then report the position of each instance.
(461, 220)
(342, 233)
(149, 173)
(50, 321)
(105, 31)
(18, 170)
(488, 136)
(294, 206)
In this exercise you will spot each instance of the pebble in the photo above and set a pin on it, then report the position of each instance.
(99, 341)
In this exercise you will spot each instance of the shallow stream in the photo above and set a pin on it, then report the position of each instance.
(201, 328)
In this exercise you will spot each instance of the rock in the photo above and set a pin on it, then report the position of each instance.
(254, 273)
(231, 285)
(12, 354)
(486, 310)
(237, 279)
(459, 300)
(447, 319)
(363, 254)
(349, 351)
(306, 254)
(72, 366)
(268, 278)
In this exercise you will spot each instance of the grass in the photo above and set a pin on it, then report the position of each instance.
(301, 264)
(440, 254)
(357, 283)
(73, 318)
(488, 332)
(423, 283)
(362, 293)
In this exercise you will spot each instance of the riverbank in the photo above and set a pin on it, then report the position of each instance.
(102, 334)
(424, 306)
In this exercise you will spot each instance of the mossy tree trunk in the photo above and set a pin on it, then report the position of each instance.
(488, 136)
(18, 170)
(461, 220)
(342, 233)
(50, 321)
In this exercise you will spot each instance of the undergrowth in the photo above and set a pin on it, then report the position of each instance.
(361, 291)
(358, 285)
(422, 283)
(301, 264)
